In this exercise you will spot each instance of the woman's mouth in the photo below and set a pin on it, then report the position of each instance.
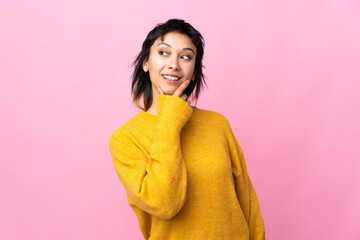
(169, 78)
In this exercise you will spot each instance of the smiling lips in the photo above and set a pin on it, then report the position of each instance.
(171, 77)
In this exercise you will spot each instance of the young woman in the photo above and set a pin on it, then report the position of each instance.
(182, 167)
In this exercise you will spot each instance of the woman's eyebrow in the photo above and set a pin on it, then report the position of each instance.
(190, 49)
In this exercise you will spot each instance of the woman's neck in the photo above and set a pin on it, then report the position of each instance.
(153, 108)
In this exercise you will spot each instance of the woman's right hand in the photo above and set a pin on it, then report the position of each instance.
(179, 91)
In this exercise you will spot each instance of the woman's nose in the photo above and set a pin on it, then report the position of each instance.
(174, 64)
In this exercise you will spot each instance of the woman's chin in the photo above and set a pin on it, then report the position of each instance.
(169, 91)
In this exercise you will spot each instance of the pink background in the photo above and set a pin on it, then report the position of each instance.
(285, 73)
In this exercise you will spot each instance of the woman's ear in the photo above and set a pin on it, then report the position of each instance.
(145, 67)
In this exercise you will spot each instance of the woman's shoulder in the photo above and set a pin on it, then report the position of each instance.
(133, 124)
(211, 116)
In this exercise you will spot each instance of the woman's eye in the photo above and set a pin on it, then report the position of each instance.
(186, 57)
(163, 53)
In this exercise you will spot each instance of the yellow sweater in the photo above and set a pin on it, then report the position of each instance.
(185, 175)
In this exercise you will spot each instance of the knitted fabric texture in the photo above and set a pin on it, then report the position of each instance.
(185, 175)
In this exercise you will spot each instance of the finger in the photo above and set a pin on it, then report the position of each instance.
(160, 91)
(184, 97)
(181, 88)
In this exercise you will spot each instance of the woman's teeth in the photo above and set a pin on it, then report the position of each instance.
(171, 78)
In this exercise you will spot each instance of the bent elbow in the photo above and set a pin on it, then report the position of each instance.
(167, 214)
(168, 210)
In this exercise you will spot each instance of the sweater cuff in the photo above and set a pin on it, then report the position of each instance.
(173, 110)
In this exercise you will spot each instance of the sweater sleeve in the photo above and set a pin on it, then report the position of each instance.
(244, 188)
(155, 181)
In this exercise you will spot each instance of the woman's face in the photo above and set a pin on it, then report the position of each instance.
(171, 62)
